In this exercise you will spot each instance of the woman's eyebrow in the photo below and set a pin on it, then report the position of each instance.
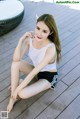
(45, 30)
(42, 29)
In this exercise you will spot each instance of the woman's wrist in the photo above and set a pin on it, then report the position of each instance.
(20, 41)
(19, 44)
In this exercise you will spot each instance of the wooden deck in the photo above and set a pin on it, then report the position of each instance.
(64, 101)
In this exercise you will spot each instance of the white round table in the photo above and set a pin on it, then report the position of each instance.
(11, 14)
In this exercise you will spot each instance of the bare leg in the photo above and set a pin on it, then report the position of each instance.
(16, 67)
(21, 80)
(34, 89)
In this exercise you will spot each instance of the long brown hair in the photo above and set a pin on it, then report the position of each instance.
(54, 37)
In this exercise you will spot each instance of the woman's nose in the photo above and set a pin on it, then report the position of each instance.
(40, 33)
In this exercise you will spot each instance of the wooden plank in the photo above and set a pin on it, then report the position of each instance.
(75, 27)
(70, 46)
(78, 117)
(6, 54)
(69, 55)
(71, 77)
(4, 84)
(61, 103)
(68, 21)
(3, 46)
(70, 38)
(65, 35)
(20, 106)
(5, 75)
(72, 111)
(1, 41)
(7, 47)
(7, 60)
(4, 94)
(43, 102)
(69, 66)
(5, 67)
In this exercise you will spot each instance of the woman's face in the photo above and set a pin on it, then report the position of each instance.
(41, 31)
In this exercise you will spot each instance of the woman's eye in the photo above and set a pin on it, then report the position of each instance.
(44, 31)
(37, 28)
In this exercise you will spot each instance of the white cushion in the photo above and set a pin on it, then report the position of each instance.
(10, 9)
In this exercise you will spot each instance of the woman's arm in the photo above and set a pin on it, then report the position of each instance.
(22, 46)
(50, 55)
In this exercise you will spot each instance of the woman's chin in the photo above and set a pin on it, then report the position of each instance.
(39, 39)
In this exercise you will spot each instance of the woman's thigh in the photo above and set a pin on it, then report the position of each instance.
(25, 67)
(34, 88)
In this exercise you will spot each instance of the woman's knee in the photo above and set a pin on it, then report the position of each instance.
(21, 94)
(15, 65)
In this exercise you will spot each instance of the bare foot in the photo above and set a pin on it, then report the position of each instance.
(11, 104)
(21, 80)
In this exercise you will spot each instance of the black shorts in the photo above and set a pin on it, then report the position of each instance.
(49, 76)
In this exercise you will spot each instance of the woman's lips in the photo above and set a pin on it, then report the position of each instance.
(39, 37)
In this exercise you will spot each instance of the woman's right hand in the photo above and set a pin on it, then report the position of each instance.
(26, 36)
(22, 46)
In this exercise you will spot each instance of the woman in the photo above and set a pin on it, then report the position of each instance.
(45, 52)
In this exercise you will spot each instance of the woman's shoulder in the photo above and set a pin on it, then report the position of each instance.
(51, 44)
(51, 47)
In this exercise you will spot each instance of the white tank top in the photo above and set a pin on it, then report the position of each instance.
(37, 55)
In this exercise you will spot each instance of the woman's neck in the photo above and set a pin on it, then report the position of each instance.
(40, 44)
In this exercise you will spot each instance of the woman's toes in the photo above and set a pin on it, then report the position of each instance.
(11, 104)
